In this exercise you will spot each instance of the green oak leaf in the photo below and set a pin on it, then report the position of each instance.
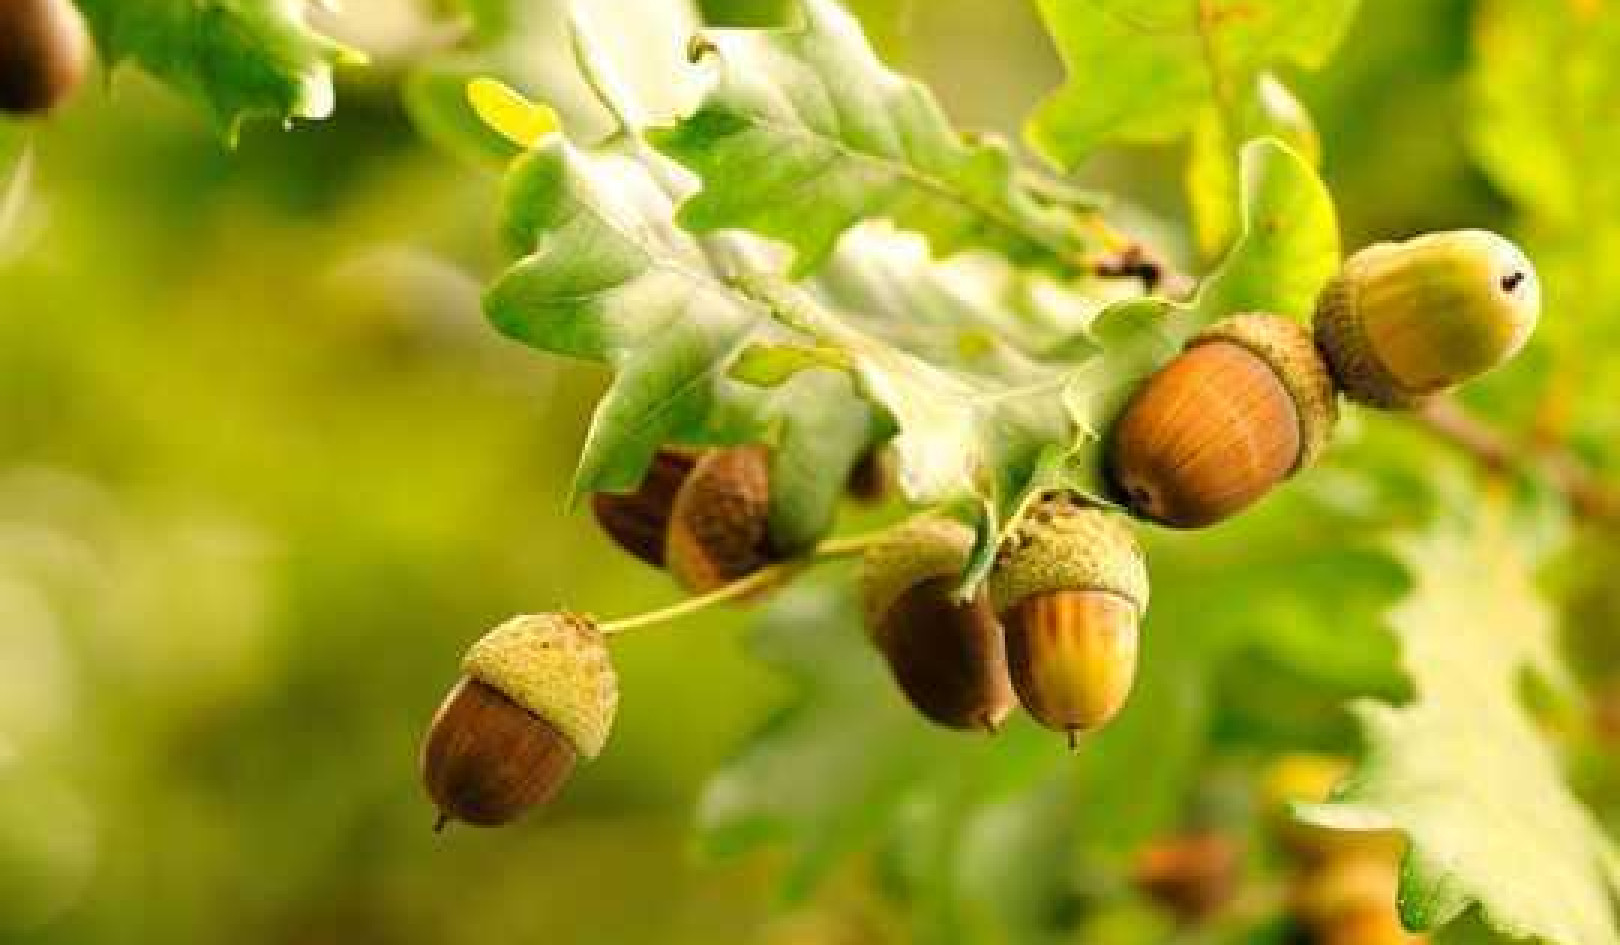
(1464, 770)
(605, 275)
(1268, 109)
(806, 133)
(1143, 70)
(237, 58)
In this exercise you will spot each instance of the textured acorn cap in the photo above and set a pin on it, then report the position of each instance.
(1402, 321)
(1062, 545)
(556, 666)
(907, 556)
(1289, 349)
(719, 529)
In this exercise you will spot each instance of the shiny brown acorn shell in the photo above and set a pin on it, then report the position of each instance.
(946, 655)
(44, 53)
(487, 759)
(1249, 403)
(639, 521)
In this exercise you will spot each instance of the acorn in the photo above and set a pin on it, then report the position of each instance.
(1070, 587)
(946, 654)
(1192, 876)
(1404, 321)
(719, 525)
(1304, 778)
(639, 521)
(869, 480)
(1246, 405)
(44, 52)
(538, 694)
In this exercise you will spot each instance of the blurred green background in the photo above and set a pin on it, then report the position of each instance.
(264, 472)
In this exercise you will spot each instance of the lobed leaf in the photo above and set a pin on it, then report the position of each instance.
(806, 133)
(1142, 70)
(1464, 769)
(237, 58)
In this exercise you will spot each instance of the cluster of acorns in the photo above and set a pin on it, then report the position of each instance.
(1250, 401)
(44, 52)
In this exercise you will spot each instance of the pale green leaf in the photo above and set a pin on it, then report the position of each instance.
(806, 133)
(237, 58)
(1142, 70)
(1464, 769)
(605, 275)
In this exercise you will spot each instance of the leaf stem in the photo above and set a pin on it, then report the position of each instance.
(763, 579)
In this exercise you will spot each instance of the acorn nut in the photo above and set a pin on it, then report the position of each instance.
(539, 693)
(1070, 587)
(44, 51)
(1245, 406)
(1403, 321)
(639, 521)
(947, 655)
(719, 525)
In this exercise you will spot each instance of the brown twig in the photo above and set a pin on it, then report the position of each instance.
(1588, 494)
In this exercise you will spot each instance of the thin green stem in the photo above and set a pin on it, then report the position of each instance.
(768, 577)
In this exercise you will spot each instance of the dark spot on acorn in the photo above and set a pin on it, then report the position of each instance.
(487, 759)
(639, 521)
(948, 657)
(44, 51)
(1512, 281)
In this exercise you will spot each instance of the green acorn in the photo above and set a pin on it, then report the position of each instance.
(1404, 321)
(1248, 404)
(947, 655)
(1070, 587)
(44, 51)
(539, 692)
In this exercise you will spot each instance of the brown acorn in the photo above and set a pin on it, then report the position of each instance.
(44, 51)
(719, 527)
(639, 521)
(946, 654)
(539, 693)
(1192, 876)
(1070, 587)
(1248, 404)
(1404, 321)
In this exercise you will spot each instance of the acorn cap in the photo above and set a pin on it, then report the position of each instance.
(921, 549)
(1062, 545)
(1289, 349)
(1402, 321)
(719, 528)
(556, 666)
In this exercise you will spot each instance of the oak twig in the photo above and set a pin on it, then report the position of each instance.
(1588, 494)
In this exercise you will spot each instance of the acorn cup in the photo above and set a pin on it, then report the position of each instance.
(719, 526)
(539, 694)
(1070, 587)
(1404, 321)
(947, 655)
(639, 521)
(1247, 405)
(44, 52)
